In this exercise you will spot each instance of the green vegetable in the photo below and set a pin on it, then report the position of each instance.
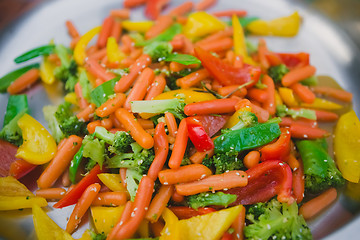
(209, 199)
(11, 132)
(247, 138)
(182, 58)
(119, 142)
(133, 178)
(75, 163)
(16, 104)
(223, 162)
(320, 170)
(166, 36)
(175, 106)
(310, 81)
(158, 50)
(101, 93)
(282, 111)
(94, 149)
(244, 21)
(275, 220)
(246, 119)
(278, 72)
(36, 52)
(85, 84)
(6, 80)
(67, 72)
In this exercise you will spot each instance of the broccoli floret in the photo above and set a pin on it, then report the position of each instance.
(158, 50)
(210, 199)
(278, 72)
(320, 169)
(275, 220)
(49, 115)
(67, 72)
(222, 162)
(282, 111)
(94, 149)
(246, 119)
(175, 106)
(119, 142)
(11, 132)
(133, 178)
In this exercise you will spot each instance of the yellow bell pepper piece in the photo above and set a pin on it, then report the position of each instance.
(71, 98)
(285, 26)
(86, 235)
(113, 51)
(235, 118)
(278, 100)
(141, 27)
(79, 50)
(20, 202)
(200, 24)
(112, 181)
(288, 97)
(39, 146)
(10, 186)
(323, 104)
(347, 145)
(105, 218)
(209, 226)
(171, 230)
(46, 228)
(47, 71)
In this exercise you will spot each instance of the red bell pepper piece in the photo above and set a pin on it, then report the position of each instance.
(188, 212)
(278, 150)
(266, 180)
(212, 124)
(226, 73)
(153, 8)
(198, 135)
(291, 60)
(20, 168)
(72, 196)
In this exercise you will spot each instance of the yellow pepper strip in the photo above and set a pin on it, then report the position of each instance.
(46, 228)
(288, 97)
(105, 218)
(142, 26)
(235, 118)
(113, 52)
(47, 71)
(10, 186)
(86, 235)
(323, 104)
(278, 100)
(200, 24)
(39, 146)
(20, 202)
(171, 230)
(71, 98)
(285, 26)
(79, 51)
(112, 181)
(347, 145)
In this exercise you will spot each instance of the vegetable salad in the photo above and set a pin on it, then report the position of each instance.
(177, 127)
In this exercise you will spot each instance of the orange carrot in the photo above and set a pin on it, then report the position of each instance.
(230, 56)
(193, 78)
(110, 199)
(162, 23)
(92, 125)
(262, 50)
(298, 74)
(141, 203)
(156, 228)
(230, 13)
(182, 9)
(133, 3)
(238, 225)
(223, 181)
(123, 219)
(136, 53)
(126, 81)
(97, 70)
(82, 206)
(122, 173)
(184, 174)
(156, 88)
(269, 104)
(127, 44)
(260, 95)
(106, 123)
(180, 144)
(73, 42)
(232, 89)
(305, 132)
(293, 162)
(65, 179)
(228, 32)
(177, 43)
(287, 121)
(188, 46)
(24, 81)
(238, 62)
(60, 162)
(116, 30)
(216, 106)
(243, 103)
(98, 54)
(161, 147)
(262, 114)
(339, 94)
(146, 123)
(72, 29)
(303, 92)
(218, 45)
(51, 193)
(325, 116)
(204, 4)
(134, 128)
(159, 203)
(87, 113)
(123, 13)
(177, 197)
(111, 105)
(141, 85)
(318, 204)
(83, 103)
(105, 32)
(171, 124)
(251, 159)
(198, 157)
(298, 183)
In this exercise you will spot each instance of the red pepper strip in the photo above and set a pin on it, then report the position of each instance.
(298, 183)
(188, 212)
(266, 180)
(75, 193)
(154, 7)
(212, 124)
(198, 135)
(226, 73)
(20, 168)
(278, 150)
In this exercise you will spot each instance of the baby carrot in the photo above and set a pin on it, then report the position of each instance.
(105, 32)
(262, 50)
(298, 74)
(198, 157)
(204, 4)
(97, 54)
(262, 114)
(51, 193)
(260, 95)
(217, 106)
(162, 23)
(287, 121)
(218, 45)
(177, 197)
(83, 103)
(293, 162)
(156, 88)
(316, 205)
(339, 94)
(232, 89)
(238, 225)
(171, 124)
(325, 116)
(182, 9)
(133, 3)
(97, 70)
(146, 123)
(159, 203)
(134, 128)
(123, 219)
(269, 104)
(184, 174)
(111, 105)
(87, 113)
(110, 199)
(92, 125)
(251, 159)
(228, 32)
(24, 81)
(106, 123)
(65, 178)
(82, 206)
(61, 161)
(179, 145)
(223, 181)
(116, 31)
(177, 43)
(73, 32)
(140, 87)
(230, 13)
(193, 78)
(305, 132)
(298, 183)
(123, 13)
(303, 92)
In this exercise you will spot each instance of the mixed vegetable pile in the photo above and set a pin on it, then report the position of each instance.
(177, 128)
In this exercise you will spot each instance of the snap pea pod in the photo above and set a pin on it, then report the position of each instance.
(247, 138)
(6, 80)
(101, 93)
(36, 52)
(16, 104)
(74, 165)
